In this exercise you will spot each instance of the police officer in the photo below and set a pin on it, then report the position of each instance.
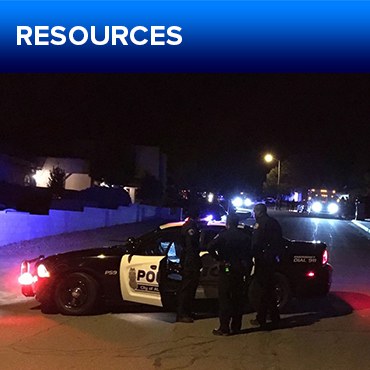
(190, 266)
(266, 247)
(232, 248)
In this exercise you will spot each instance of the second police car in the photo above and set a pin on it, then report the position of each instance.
(146, 270)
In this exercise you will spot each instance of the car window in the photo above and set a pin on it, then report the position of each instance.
(159, 244)
(174, 252)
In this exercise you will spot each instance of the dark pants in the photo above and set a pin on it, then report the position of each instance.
(186, 292)
(268, 303)
(230, 297)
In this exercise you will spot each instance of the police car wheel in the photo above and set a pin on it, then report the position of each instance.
(76, 294)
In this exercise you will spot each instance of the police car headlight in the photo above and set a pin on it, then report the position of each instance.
(237, 202)
(317, 207)
(333, 208)
(248, 202)
(42, 271)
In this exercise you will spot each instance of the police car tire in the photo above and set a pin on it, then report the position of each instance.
(83, 305)
(282, 284)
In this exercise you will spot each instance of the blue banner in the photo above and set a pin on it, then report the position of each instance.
(185, 36)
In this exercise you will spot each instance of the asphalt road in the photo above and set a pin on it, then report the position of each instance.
(326, 333)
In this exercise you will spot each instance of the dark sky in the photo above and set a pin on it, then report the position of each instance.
(215, 117)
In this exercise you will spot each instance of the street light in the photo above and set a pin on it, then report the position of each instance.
(269, 158)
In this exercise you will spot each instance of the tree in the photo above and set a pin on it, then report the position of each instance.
(270, 186)
(57, 181)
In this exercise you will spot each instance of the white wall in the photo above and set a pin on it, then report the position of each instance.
(78, 181)
(18, 226)
(75, 168)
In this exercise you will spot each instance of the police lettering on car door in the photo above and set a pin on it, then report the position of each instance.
(142, 280)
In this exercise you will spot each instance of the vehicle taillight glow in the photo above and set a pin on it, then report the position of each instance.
(25, 267)
(310, 274)
(325, 257)
(42, 271)
(27, 279)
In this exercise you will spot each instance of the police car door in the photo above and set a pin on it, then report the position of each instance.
(139, 272)
(170, 274)
(208, 282)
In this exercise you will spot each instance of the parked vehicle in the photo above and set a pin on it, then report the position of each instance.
(146, 270)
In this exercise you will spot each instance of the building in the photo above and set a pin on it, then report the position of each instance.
(77, 172)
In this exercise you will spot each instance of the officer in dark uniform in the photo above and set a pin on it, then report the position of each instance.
(190, 266)
(232, 248)
(266, 246)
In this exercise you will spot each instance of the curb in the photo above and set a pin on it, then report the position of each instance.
(360, 225)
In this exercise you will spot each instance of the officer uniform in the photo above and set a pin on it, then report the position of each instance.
(232, 248)
(191, 264)
(266, 246)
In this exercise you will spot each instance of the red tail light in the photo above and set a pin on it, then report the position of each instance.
(25, 267)
(325, 257)
(26, 279)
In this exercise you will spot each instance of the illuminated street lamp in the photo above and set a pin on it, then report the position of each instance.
(269, 158)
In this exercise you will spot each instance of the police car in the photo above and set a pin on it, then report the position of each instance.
(146, 270)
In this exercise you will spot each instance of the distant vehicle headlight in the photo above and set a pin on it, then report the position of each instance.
(237, 202)
(248, 202)
(333, 208)
(317, 207)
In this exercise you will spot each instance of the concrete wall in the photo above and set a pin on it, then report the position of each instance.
(18, 226)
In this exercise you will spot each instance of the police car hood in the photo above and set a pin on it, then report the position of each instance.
(93, 252)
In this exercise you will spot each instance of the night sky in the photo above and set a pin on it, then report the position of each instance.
(221, 122)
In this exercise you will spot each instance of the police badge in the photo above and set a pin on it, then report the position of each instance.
(132, 278)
